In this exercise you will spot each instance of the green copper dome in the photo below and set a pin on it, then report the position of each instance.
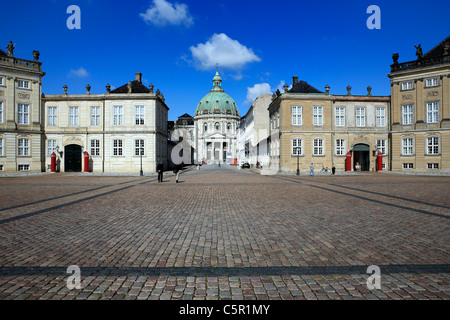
(217, 101)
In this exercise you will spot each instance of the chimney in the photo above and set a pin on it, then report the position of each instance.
(294, 80)
(138, 76)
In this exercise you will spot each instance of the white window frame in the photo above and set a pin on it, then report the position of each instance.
(407, 146)
(360, 117)
(73, 116)
(432, 109)
(380, 114)
(51, 147)
(95, 116)
(118, 115)
(433, 166)
(23, 113)
(339, 113)
(23, 167)
(432, 82)
(1, 81)
(1, 111)
(297, 115)
(408, 165)
(23, 84)
(205, 127)
(95, 147)
(407, 114)
(381, 146)
(138, 144)
(217, 126)
(297, 142)
(407, 85)
(340, 146)
(117, 147)
(1, 146)
(139, 115)
(23, 147)
(318, 147)
(318, 116)
(52, 116)
(432, 145)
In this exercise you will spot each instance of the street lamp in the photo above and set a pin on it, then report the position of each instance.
(298, 161)
(141, 151)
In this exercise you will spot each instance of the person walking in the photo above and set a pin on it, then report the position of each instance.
(160, 170)
(178, 169)
(311, 170)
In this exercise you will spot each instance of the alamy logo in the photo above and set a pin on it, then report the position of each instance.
(74, 281)
(74, 21)
(374, 281)
(374, 21)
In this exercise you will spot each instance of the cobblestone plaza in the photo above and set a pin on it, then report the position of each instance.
(224, 234)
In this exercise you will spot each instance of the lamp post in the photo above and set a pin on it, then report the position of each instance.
(141, 150)
(298, 161)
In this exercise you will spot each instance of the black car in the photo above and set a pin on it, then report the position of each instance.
(245, 165)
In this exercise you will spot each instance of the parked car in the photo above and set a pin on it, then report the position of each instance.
(245, 165)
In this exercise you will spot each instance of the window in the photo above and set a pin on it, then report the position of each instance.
(118, 116)
(407, 146)
(205, 127)
(431, 82)
(381, 146)
(1, 167)
(433, 112)
(23, 112)
(1, 146)
(381, 117)
(1, 112)
(139, 147)
(360, 117)
(340, 116)
(51, 116)
(1, 81)
(139, 115)
(95, 147)
(408, 114)
(433, 145)
(318, 147)
(433, 165)
(297, 148)
(408, 166)
(23, 84)
(340, 147)
(95, 116)
(318, 115)
(24, 167)
(228, 127)
(51, 147)
(23, 147)
(408, 85)
(73, 116)
(297, 113)
(217, 126)
(117, 147)
(278, 118)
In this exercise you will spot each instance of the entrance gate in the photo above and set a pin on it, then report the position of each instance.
(361, 155)
(72, 158)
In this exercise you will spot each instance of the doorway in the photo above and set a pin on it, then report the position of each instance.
(72, 158)
(361, 156)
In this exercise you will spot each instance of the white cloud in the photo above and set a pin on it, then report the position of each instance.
(254, 92)
(221, 49)
(79, 73)
(162, 13)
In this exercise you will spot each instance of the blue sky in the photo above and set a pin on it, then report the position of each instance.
(259, 45)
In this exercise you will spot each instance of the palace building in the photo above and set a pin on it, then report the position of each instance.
(420, 110)
(122, 130)
(21, 113)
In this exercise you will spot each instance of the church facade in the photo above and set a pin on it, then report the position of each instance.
(217, 121)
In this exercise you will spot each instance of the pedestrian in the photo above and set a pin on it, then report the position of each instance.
(311, 170)
(178, 169)
(160, 170)
(333, 169)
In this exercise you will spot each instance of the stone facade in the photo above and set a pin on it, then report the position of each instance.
(420, 111)
(113, 128)
(21, 129)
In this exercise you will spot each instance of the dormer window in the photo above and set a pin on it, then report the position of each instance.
(217, 126)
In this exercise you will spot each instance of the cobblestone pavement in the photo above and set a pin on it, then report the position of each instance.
(224, 234)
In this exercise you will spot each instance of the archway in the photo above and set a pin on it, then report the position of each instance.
(361, 156)
(72, 158)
